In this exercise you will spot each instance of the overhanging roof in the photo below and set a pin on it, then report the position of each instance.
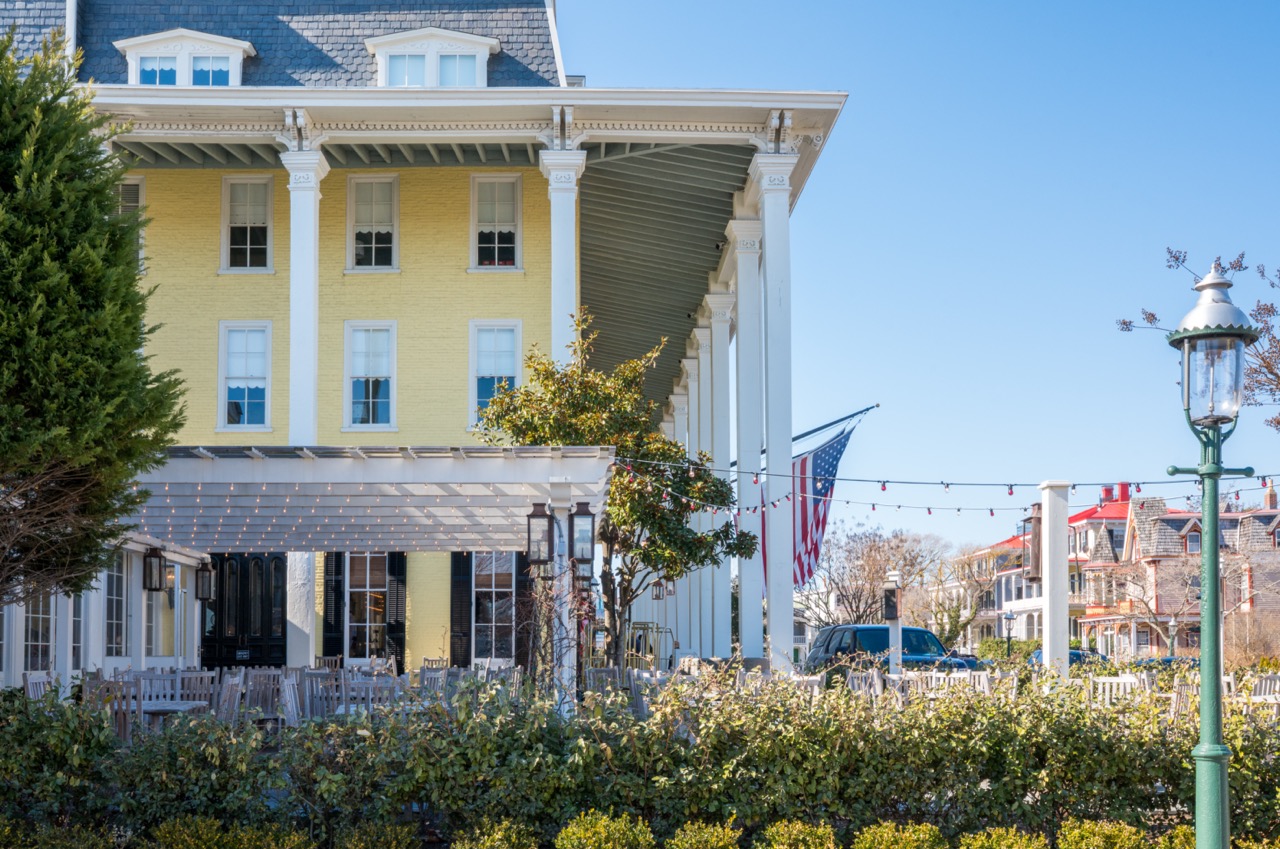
(283, 498)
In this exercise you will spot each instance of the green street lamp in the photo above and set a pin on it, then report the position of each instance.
(1212, 338)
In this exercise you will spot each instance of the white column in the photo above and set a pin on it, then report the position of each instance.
(306, 169)
(300, 606)
(93, 623)
(562, 168)
(720, 309)
(136, 611)
(706, 425)
(677, 606)
(744, 236)
(62, 640)
(1054, 567)
(692, 606)
(771, 176)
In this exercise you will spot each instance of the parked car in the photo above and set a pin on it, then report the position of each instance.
(1076, 656)
(921, 649)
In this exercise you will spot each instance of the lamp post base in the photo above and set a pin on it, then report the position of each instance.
(1212, 796)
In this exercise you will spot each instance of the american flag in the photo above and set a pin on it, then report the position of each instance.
(813, 483)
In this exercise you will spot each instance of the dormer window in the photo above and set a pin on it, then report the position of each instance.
(183, 57)
(1193, 542)
(1275, 538)
(433, 58)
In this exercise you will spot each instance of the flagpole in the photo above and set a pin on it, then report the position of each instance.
(821, 428)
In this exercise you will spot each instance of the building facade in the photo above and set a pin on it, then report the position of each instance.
(362, 216)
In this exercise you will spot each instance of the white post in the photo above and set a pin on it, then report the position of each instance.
(61, 610)
(720, 308)
(300, 602)
(565, 648)
(692, 606)
(306, 169)
(744, 236)
(562, 168)
(706, 442)
(771, 177)
(1054, 568)
(136, 608)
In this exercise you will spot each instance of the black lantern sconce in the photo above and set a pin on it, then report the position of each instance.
(205, 582)
(153, 570)
(542, 541)
(582, 531)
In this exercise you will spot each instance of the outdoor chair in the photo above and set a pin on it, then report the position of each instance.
(262, 693)
(1107, 690)
(228, 708)
(289, 710)
(811, 684)
(365, 695)
(322, 693)
(435, 662)
(601, 680)
(432, 683)
(1182, 700)
(1266, 693)
(36, 684)
(329, 661)
(860, 682)
(197, 687)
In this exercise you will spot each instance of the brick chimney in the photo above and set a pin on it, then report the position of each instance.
(1269, 500)
(1108, 494)
(1123, 492)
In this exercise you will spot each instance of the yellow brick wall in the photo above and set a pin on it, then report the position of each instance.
(432, 298)
(427, 592)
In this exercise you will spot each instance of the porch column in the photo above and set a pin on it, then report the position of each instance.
(300, 605)
(62, 640)
(677, 606)
(720, 309)
(706, 442)
(771, 179)
(691, 609)
(744, 238)
(306, 169)
(562, 168)
(136, 605)
(1054, 568)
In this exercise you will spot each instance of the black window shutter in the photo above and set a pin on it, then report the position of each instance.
(334, 598)
(524, 611)
(396, 561)
(460, 609)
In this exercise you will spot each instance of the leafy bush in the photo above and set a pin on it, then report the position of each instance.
(703, 835)
(497, 835)
(892, 836)
(792, 834)
(1083, 834)
(377, 835)
(69, 837)
(1004, 838)
(197, 765)
(207, 833)
(1182, 837)
(594, 830)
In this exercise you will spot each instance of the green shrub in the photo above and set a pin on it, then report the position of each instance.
(70, 837)
(503, 834)
(594, 830)
(195, 766)
(792, 834)
(705, 835)
(1083, 834)
(207, 833)
(1004, 838)
(377, 835)
(1181, 837)
(891, 836)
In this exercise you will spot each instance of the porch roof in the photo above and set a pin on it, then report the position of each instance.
(327, 498)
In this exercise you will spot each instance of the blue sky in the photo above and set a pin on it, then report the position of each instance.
(1000, 189)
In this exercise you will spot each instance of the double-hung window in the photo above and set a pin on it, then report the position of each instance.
(1193, 542)
(407, 69)
(115, 591)
(366, 605)
(370, 378)
(495, 222)
(458, 70)
(39, 634)
(246, 224)
(158, 70)
(210, 70)
(245, 376)
(494, 609)
(373, 213)
(495, 361)
(77, 632)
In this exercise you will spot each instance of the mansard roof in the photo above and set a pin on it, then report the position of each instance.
(301, 43)
(32, 20)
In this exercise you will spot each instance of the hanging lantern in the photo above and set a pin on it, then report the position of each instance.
(153, 570)
(205, 582)
(659, 591)
(541, 527)
(582, 531)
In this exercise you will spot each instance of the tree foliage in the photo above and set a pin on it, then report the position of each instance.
(658, 524)
(82, 413)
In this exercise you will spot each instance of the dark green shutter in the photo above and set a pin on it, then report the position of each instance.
(396, 561)
(334, 598)
(524, 611)
(460, 609)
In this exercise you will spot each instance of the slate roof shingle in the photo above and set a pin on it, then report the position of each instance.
(33, 19)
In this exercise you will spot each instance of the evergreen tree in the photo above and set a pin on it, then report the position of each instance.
(81, 412)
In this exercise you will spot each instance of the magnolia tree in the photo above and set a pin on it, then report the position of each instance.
(647, 529)
(81, 411)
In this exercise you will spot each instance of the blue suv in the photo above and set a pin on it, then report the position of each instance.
(921, 649)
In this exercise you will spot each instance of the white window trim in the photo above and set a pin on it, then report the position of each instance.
(220, 425)
(347, 327)
(494, 662)
(183, 44)
(432, 42)
(352, 181)
(473, 360)
(225, 260)
(476, 180)
(346, 605)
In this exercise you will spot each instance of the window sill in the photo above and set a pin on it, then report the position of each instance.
(243, 429)
(495, 269)
(370, 429)
(378, 270)
(233, 272)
